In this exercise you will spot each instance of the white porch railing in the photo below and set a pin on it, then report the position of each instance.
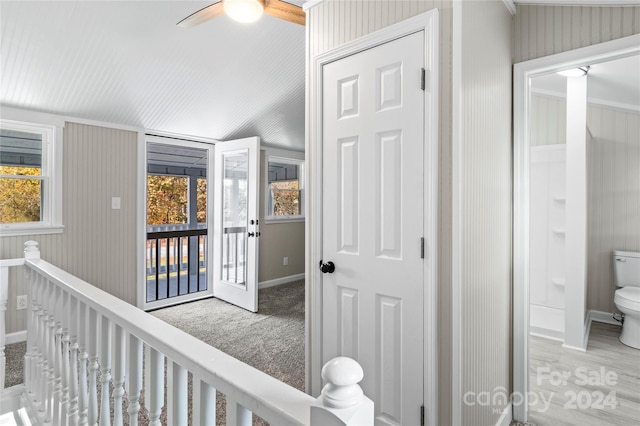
(75, 330)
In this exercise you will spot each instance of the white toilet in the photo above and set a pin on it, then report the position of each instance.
(626, 267)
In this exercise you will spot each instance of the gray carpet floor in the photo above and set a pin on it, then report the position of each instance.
(271, 340)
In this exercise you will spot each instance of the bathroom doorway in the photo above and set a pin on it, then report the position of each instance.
(542, 295)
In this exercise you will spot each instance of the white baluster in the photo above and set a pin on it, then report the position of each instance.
(57, 354)
(4, 295)
(176, 394)
(28, 356)
(342, 401)
(83, 396)
(204, 403)
(237, 415)
(134, 379)
(154, 384)
(65, 361)
(92, 338)
(42, 368)
(118, 374)
(73, 378)
(105, 370)
(50, 348)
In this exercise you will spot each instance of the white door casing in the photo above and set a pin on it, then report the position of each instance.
(373, 207)
(236, 228)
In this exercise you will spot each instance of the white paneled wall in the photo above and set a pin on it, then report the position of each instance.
(98, 244)
(335, 22)
(545, 30)
(547, 240)
(614, 197)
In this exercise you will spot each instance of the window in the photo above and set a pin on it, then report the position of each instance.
(285, 188)
(29, 188)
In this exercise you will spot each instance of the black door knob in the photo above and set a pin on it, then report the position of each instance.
(327, 268)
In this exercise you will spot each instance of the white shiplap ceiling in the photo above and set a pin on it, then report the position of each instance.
(127, 62)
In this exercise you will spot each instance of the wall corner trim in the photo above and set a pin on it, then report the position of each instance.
(510, 5)
(280, 281)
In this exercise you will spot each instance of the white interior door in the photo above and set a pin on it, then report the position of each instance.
(236, 229)
(373, 192)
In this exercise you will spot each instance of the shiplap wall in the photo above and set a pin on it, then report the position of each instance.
(98, 244)
(614, 198)
(545, 30)
(335, 22)
(485, 205)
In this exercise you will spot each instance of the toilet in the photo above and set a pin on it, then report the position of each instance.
(626, 267)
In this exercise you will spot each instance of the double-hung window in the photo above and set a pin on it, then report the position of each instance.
(285, 189)
(30, 193)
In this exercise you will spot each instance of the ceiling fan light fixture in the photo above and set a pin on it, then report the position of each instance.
(244, 11)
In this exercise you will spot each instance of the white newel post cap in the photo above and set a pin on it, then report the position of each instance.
(342, 401)
(31, 250)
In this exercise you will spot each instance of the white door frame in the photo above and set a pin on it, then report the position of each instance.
(523, 73)
(141, 214)
(428, 23)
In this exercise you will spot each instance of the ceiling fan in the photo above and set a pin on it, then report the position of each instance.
(246, 11)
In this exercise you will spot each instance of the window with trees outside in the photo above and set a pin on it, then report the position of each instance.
(285, 189)
(28, 190)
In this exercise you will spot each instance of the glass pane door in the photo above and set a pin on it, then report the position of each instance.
(234, 239)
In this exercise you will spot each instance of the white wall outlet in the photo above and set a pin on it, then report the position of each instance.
(21, 302)
(285, 261)
(115, 203)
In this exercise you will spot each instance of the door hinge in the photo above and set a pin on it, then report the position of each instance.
(422, 248)
(423, 79)
(422, 415)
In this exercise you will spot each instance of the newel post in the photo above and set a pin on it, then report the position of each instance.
(342, 402)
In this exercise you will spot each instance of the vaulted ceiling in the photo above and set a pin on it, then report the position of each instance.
(126, 62)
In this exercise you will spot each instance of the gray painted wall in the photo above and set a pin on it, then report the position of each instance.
(278, 240)
(98, 244)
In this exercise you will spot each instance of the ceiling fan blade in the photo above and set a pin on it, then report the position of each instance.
(203, 15)
(287, 11)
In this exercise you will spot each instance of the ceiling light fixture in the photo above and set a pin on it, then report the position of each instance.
(244, 11)
(575, 72)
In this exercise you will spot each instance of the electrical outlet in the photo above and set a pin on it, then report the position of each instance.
(21, 302)
(285, 261)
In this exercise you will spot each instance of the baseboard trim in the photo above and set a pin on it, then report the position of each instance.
(280, 281)
(18, 336)
(604, 317)
(507, 416)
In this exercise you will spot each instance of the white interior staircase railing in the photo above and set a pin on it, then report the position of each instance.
(75, 330)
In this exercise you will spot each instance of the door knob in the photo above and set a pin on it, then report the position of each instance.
(327, 268)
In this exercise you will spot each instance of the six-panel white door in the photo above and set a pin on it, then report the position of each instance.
(373, 177)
